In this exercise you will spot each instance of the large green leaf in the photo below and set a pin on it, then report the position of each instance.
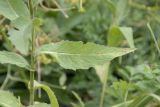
(40, 105)
(77, 55)
(13, 58)
(12, 9)
(7, 99)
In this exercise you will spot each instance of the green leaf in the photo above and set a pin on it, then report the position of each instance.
(77, 55)
(40, 105)
(140, 101)
(121, 88)
(128, 34)
(7, 99)
(143, 100)
(117, 34)
(13, 58)
(12, 9)
(51, 95)
(102, 71)
(20, 37)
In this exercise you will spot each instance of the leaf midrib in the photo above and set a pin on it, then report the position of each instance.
(76, 54)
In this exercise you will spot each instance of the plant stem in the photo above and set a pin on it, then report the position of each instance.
(32, 56)
(60, 8)
(104, 85)
(7, 77)
(154, 38)
(125, 98)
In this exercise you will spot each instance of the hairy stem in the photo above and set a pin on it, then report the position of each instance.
(32, 56)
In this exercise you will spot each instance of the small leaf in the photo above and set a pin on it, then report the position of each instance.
(77, 55)
(7, 99)
(13, 58)
(12, 9)
(51, 95)
(121, 88)
(128, 34)
(117, 34)
(40, 105)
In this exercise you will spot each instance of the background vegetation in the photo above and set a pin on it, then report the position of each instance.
(132, 80)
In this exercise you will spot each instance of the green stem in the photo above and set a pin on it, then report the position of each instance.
(32, 92)
(125, 98)
(104, 86)
(7, 78)
(154, 38)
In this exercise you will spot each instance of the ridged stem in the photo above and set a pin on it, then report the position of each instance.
(32, 92)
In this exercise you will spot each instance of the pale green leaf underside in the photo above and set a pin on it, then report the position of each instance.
(20, 38)
(77, 55)
(12, 9)
(13, 58)
(7, 99)
(128, 34)
(40, 105)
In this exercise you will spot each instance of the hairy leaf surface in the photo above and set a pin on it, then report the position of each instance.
(77, 55)
(13, 58)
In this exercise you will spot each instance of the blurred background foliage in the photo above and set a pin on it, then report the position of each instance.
(120, 23)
